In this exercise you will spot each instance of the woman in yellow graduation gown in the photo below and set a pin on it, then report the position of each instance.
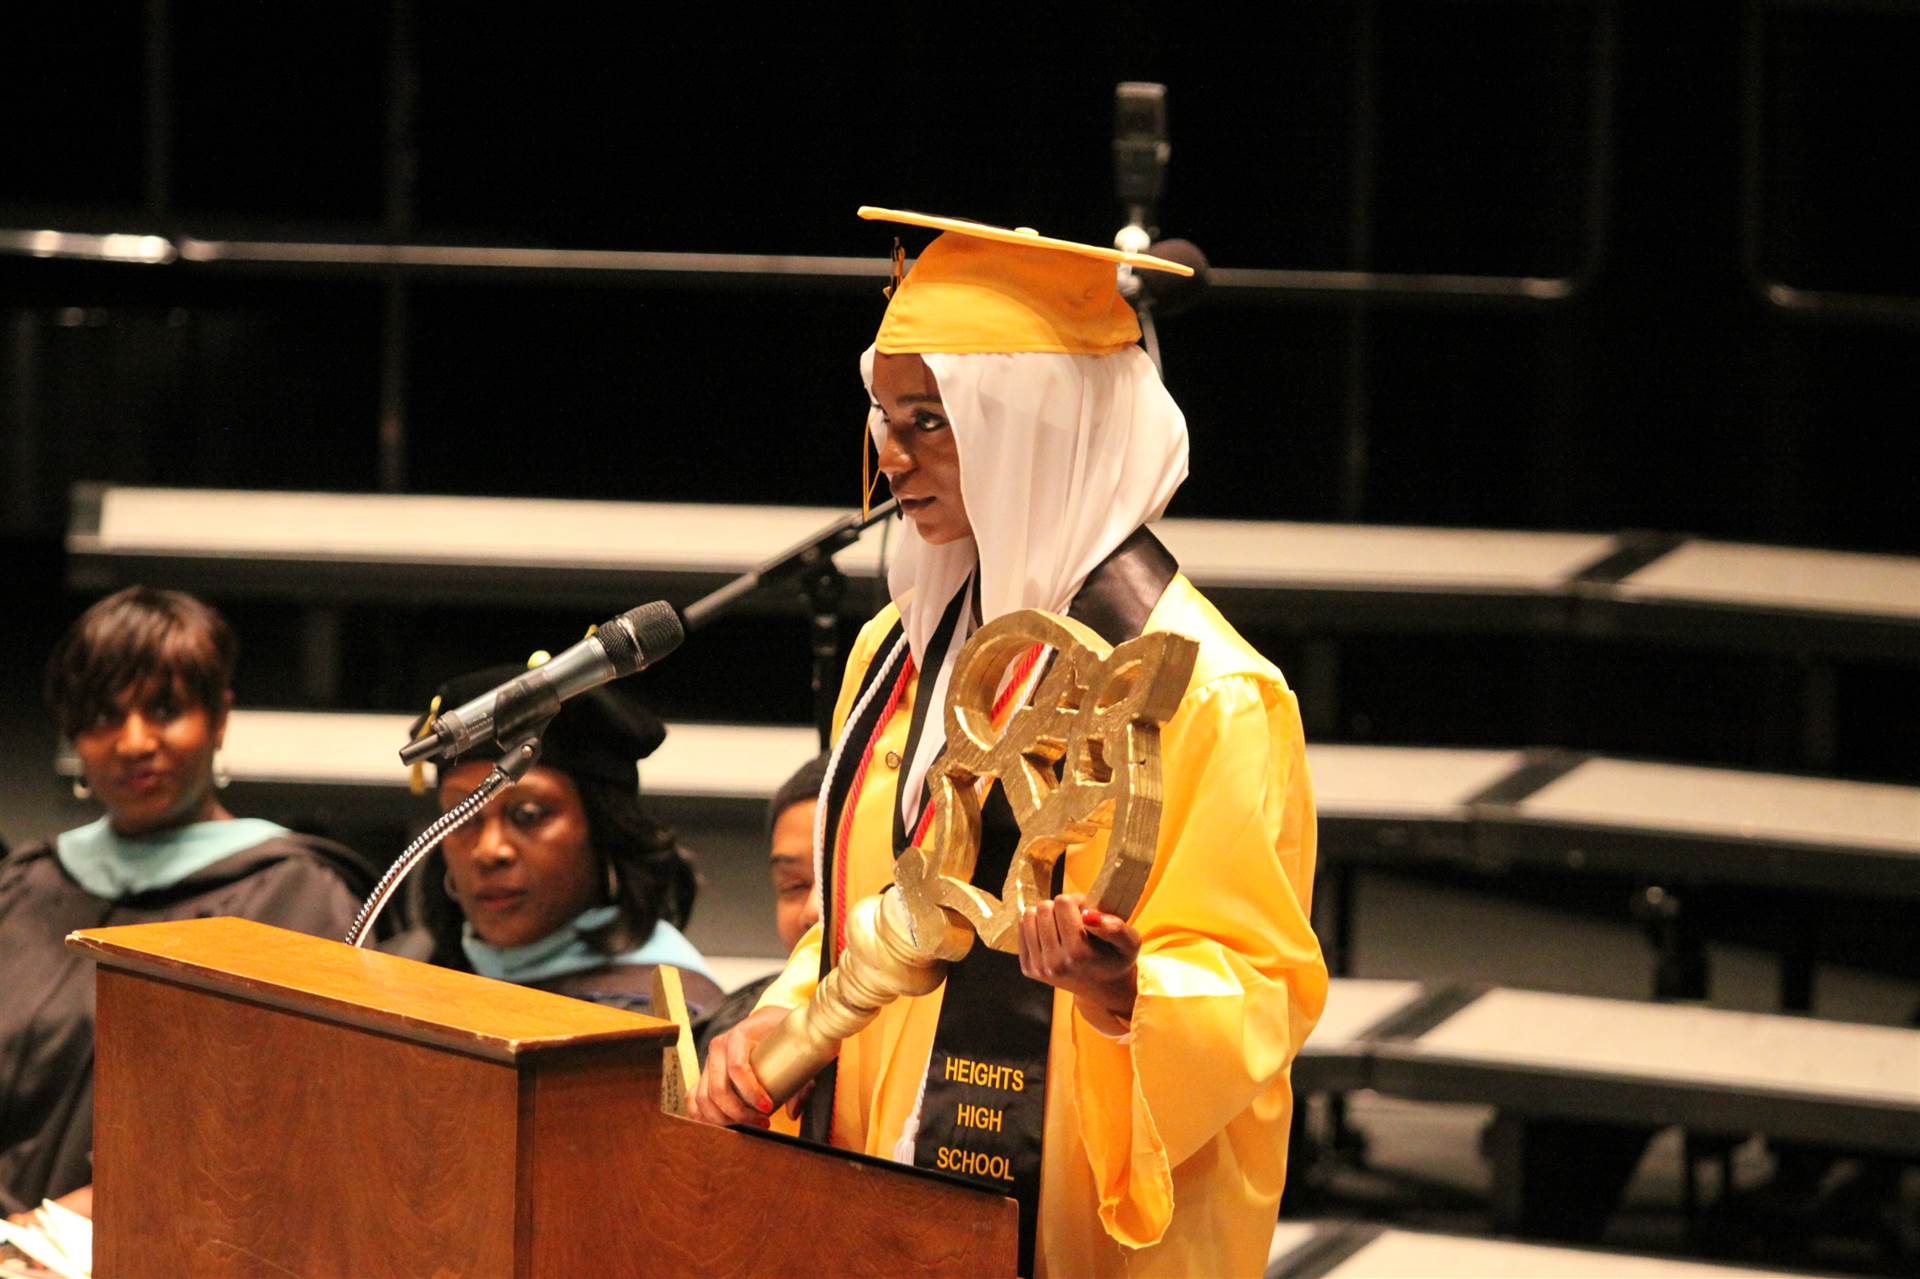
(1029, 441)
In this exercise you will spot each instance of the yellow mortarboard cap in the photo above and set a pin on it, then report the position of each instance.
(979, 289)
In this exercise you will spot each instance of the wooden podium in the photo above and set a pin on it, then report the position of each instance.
(267, 1103)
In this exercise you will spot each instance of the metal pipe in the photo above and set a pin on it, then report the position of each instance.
(158, 134)
(1775, 293)
(638, 268)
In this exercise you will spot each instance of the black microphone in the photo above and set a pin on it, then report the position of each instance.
(1140, 155)
(1169, 294)
(1140, 149)
(635, 639)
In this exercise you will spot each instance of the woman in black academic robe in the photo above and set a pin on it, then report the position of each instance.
(564, 882)
(141, 685)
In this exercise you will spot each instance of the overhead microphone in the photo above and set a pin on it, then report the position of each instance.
(1140, 155)
(630, 642)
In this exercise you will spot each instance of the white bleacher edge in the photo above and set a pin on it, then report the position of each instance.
(346, 748)
(712, 537)
(1731, 803)
(403, 531)
(748, 762)
(1414, 1254)
(1780, 577)
(1355, 1005)
(1674, 1043)
(1402, 781)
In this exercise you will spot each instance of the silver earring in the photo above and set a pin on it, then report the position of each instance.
(220, 778)
(81, 790)
(613, 884)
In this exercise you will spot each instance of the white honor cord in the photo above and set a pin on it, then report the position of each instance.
(885, 681)
(910, 1132)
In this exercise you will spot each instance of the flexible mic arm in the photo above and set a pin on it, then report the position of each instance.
(513, 765)
(810, 554)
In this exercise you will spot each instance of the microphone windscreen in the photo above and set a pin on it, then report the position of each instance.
(657, 627)
(1172, 293)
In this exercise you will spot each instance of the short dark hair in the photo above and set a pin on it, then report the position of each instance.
(133, 637)
(804, 785)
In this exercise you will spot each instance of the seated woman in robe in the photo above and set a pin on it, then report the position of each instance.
(141, 685)
(563, 882)
(1125, 1080)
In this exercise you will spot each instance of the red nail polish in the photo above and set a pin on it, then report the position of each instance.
(1089, 916)
(766, 1108)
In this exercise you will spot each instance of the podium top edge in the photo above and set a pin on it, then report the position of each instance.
(370, 990)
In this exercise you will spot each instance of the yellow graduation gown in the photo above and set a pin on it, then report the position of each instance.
(1165, 1151)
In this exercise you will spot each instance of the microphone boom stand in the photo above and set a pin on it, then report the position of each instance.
(824, 585)
(811, 561)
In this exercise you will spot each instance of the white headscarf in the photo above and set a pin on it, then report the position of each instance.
(1062, 457)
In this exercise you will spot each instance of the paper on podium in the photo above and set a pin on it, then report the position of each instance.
(55, 1238)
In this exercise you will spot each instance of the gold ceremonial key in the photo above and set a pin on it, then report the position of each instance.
(1082, 757)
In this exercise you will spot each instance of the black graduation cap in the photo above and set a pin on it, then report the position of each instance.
(601, 733)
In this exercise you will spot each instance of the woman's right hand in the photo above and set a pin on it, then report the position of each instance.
(729, 1092)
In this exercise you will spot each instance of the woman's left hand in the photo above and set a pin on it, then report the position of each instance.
(1083, 951)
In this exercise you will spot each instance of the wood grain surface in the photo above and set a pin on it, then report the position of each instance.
(240, 1140)
(385, 993)
(622, 1188)
(264, 1121)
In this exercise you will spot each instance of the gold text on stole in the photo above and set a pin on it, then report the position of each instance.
(1082, 757)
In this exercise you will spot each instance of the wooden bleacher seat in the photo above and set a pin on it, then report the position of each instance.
(1771, 598)
(1335, 1057)
(1394, 805)
(1674, 825)
(1382, 805)
(1577, 1057)
(290, 762)
(1570, 1073)
(1581, 1057)
(1713, 825)
(1313, 579)
(372, 545)
(1337, 1250)
(1379, 806)
(331, 547)
(1340, 578)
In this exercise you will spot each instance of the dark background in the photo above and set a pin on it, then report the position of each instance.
(1675, 164)
(1722, 190)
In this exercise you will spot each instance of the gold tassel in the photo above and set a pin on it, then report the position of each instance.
(869, 473)
(898, 260)
(417, 772)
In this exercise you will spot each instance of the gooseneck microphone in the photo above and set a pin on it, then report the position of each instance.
(634, 640)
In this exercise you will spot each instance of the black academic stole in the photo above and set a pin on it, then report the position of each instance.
(983, 1109)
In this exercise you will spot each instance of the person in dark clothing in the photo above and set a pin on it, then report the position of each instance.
(563, 882)
(796, 906)
(142, 685)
